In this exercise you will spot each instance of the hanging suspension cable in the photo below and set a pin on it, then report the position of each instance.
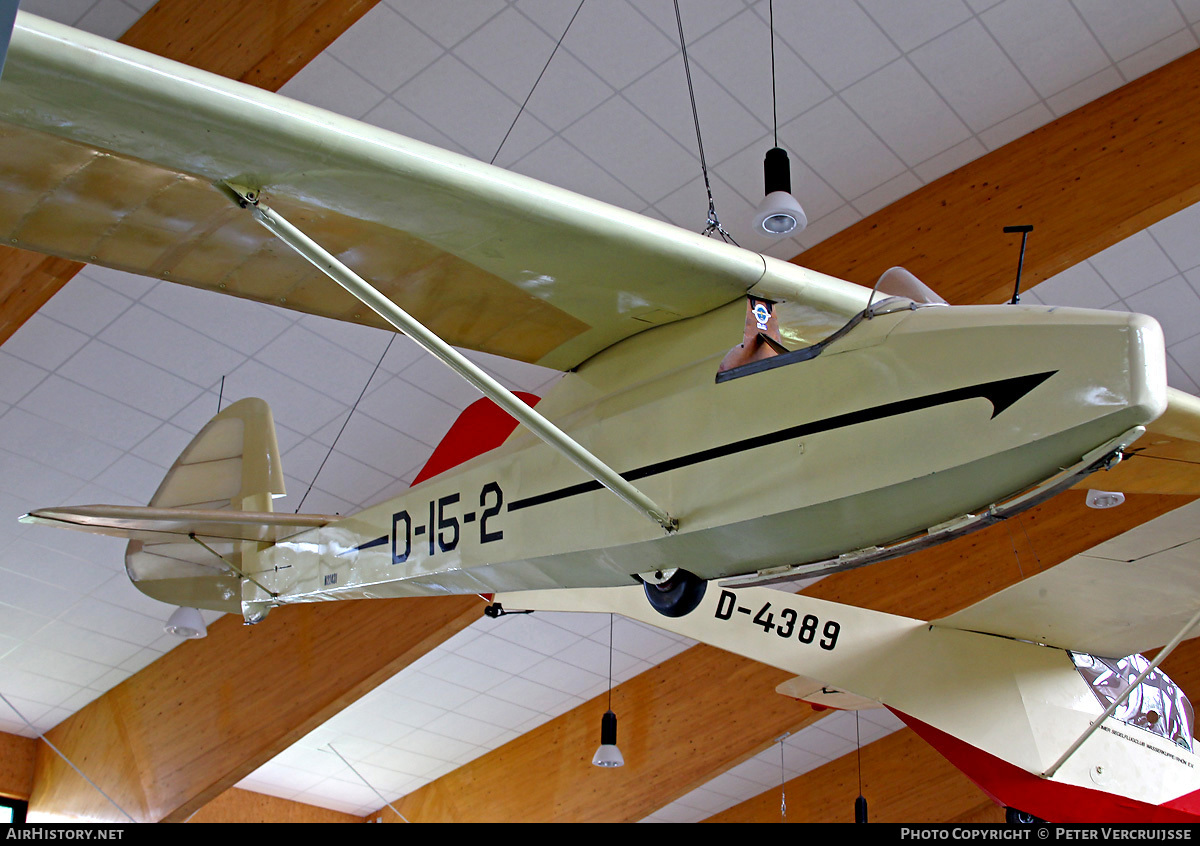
(370, 786)
(41, 736)
(782, 777)
(521, 110)
(345, 423)
(714, 224)
(610, 652)
(860, 803)
(774, 106)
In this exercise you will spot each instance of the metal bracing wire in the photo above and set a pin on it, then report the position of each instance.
(714, 223)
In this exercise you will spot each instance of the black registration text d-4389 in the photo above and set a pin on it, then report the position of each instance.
(807, 629)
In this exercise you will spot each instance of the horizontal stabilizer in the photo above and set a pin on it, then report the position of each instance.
(209, 518)
(822, 696)
(155, 524)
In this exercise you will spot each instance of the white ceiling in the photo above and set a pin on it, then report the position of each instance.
(106, 384)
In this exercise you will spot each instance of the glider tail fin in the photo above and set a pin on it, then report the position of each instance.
(231, 465)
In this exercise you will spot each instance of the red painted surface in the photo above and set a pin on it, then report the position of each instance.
(481, 427)
(1047, 799)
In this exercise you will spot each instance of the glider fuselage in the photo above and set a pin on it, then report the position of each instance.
(910, 419)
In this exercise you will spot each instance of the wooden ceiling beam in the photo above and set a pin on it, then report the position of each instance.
(183, 730)
(264, 44)
(671, 743)
(696, 715)
(16, 765)
(1084, 182)
(243, 806)
(903, 780)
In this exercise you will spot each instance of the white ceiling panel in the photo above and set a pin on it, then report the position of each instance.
(835, 143)
(1158, 54)
(1134, 264)
(329, 83)
(370, 46)
(1126, 26)
(977, 79)
(447, 23)
(1048, 41)
(837, 40)
(617, 42)
(911, 24)
(747, 37)
(923, 126)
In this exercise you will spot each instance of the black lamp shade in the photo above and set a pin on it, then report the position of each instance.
(777, 171)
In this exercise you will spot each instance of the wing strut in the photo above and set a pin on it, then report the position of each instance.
(452, 358)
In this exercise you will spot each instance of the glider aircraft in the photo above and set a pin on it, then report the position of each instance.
(877, 422)
(724, 415)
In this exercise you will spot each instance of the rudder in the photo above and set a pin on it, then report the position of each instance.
(232, 464)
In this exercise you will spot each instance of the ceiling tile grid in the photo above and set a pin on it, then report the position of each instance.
(840, 733)
(1155, 272)
(962, 71)
(482, 688)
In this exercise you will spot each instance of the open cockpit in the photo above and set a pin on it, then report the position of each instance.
(778, 333)
(1155, 704)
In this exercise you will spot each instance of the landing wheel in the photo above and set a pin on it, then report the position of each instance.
(678, 595)
(1014, 817)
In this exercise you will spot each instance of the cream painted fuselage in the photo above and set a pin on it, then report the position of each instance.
(909, 419)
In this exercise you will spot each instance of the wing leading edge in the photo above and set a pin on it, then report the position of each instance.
(1125, 596)
(113, 156)
(1132, 593)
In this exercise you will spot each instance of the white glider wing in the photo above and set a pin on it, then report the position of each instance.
(1167, 459)
(113, 156)
(1127, 595)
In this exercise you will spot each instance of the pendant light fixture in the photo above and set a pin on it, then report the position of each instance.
(779, 213)
(608, 755)
(186, 623)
